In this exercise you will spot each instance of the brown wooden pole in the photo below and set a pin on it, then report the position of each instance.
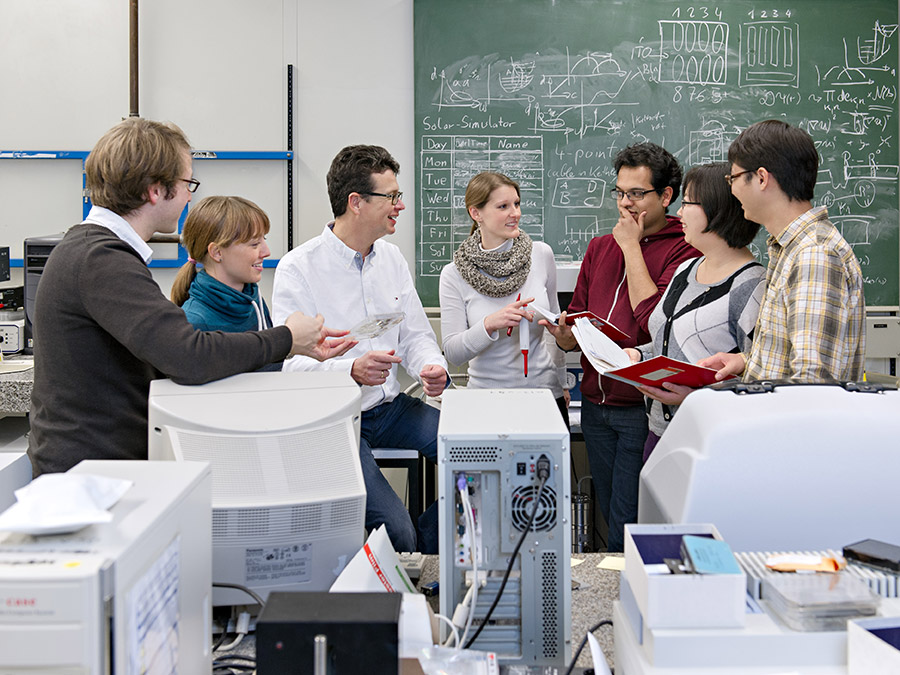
(133, 59)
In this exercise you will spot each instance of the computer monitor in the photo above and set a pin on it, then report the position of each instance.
(795, 468)
(288, 493)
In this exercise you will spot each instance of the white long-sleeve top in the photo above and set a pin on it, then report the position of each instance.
(495, 360)
(325, 276)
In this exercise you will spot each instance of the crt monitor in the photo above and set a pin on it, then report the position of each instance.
(288, 493)
(791, 468)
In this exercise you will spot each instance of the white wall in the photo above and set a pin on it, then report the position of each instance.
(355, 62)
(217, 68)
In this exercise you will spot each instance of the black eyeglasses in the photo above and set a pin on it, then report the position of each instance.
(685, 202)
(729, 177)
(394, 196)
(633, 195)
(193, 184)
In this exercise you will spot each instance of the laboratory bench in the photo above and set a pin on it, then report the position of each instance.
(15, 388)
(593, 592)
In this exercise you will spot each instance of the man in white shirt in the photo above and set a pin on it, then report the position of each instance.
(348, 275)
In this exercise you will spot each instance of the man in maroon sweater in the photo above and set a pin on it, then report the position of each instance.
(622, 278)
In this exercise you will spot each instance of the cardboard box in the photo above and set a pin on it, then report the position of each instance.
(668, 600)
(873, 646)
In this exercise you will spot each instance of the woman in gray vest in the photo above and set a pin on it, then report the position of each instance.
(712, 302)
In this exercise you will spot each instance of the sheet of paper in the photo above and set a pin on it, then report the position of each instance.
(16, 365)
(152, 609)
(61, 503)
(612, 563)
(543, 313)
(414, 628)
(601, 667)
(375, 567)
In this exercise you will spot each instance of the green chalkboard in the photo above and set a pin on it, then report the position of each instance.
(548, 91)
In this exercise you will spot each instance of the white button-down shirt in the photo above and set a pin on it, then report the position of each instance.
(120, 227)
(325, 276)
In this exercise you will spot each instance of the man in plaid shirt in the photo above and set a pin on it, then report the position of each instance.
(811, 324)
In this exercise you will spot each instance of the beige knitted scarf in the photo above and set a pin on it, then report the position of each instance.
(494, 273)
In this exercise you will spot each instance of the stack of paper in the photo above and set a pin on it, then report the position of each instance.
(600, 350)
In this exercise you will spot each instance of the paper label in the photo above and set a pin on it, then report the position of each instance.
(279, 563)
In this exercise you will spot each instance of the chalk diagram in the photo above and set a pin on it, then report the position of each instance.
(770, 54)
(572, 99)
(586, 92)
(517, 76)
(710, 142)
(693, 52)
(568, 97)
(870, 51)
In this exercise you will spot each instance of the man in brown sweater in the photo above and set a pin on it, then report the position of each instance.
(103, 326)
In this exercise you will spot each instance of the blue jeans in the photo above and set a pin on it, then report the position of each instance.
(405, 422)
(614, 438)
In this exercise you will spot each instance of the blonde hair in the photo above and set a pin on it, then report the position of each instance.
(480, 187)
(220, 220)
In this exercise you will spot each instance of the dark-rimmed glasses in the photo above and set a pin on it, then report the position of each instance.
(685, 202)
(394, 196)
(193, 184)
(633, 195)
(729, 177)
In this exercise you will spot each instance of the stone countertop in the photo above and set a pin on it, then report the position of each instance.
(15, 389)
(593, 592)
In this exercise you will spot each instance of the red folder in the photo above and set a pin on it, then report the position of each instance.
(603, 325)
(659, 369)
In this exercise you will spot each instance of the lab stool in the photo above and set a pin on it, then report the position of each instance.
(418, 469)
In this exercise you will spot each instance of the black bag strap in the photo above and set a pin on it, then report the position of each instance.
(673, 295)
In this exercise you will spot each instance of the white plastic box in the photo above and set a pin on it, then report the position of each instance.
(668, 600)
(867, 652)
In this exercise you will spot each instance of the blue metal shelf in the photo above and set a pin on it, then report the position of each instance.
(203, 155)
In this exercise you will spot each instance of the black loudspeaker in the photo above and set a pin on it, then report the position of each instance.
(353, 633)
(37, 250)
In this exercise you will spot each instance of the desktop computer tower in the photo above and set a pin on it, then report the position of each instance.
(37, 250)
(497, 443)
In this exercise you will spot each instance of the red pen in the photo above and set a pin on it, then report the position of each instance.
(509, 330)
(524, 339)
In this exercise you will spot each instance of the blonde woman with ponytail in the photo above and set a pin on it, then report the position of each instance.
(225, 238)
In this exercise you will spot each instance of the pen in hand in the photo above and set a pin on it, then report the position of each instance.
(524, 339)
(509, 330)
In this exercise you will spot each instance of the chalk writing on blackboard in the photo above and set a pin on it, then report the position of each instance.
(690, 78)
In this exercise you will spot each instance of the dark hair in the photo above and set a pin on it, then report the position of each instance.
(351, 171)
(132, 156)
(664, 168)
(786, 152)
(724, 214)
(480, 188)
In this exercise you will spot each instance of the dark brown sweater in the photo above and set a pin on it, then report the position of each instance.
(103, 330)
